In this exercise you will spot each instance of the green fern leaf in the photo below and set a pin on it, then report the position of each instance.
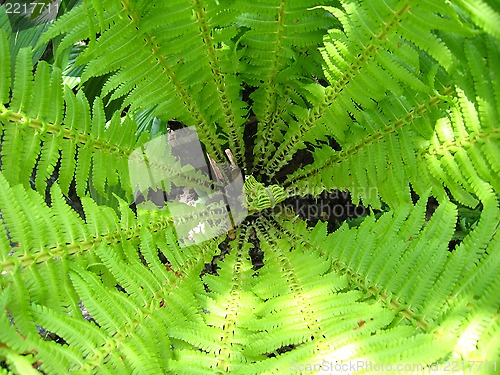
(393, 102)
(5, 67)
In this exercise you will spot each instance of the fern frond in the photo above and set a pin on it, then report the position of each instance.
(38, 266)
(389, 254)
(379, 160)
(165, 74)
(455, 153)
(34, 122)
(260, 197)
(319, 329)
(39, 234)
(227, 306)
(484, 14)
(375, 42)
(277, 35)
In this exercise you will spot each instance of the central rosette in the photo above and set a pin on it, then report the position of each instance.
(204, 198)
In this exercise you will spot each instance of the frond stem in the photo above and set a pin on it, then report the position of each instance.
(39, 126)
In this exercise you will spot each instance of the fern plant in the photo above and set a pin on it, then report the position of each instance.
(395, 101)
